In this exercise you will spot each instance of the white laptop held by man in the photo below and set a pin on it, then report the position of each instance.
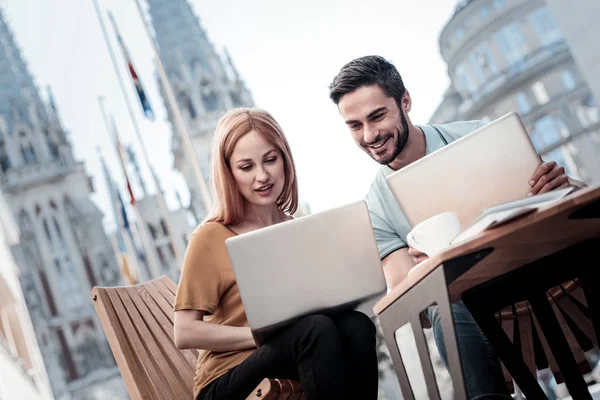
(488, 166)
(320, 263)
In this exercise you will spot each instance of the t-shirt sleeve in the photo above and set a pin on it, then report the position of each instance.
(201, 284)
(387, 239)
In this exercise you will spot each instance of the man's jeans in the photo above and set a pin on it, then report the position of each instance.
(481, 367)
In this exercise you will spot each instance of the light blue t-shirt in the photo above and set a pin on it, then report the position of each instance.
(388, 220)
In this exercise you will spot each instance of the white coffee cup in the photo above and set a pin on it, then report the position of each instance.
(433, 235)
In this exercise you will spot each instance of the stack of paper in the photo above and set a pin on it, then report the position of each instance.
(502, 213)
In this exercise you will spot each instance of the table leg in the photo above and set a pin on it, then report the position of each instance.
(390, 321)
(511, 358)
(431, 290)
(531, 282)
(559, 346)
(593, 300)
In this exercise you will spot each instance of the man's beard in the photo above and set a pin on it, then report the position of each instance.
(399, 142)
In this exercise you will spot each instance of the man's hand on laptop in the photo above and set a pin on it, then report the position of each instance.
(416, 255)
(550, 176)
(547, 177)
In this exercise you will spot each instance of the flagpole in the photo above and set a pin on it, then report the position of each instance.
(161, 200)
(179, 123)
(146, 243)
(129, 247)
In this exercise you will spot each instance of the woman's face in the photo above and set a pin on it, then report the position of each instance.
(257, 168)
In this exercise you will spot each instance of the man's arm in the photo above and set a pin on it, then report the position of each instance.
(396, 266)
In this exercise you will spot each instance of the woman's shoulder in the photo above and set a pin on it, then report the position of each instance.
(210, 232)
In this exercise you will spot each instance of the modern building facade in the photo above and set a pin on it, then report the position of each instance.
(62, 250)
(579, 25)
(511, 55)
(205, 85)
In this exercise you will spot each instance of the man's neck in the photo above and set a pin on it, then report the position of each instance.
(415, 148)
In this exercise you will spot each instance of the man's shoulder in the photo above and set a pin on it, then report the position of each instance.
(458, 129)
(377, 185)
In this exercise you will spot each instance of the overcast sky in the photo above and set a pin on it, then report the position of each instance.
(286, 52)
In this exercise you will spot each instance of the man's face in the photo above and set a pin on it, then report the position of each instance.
(377, 125)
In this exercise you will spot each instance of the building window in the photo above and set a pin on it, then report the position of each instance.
(546, 132)
(588, 112)
(545, 26)
(52, 148)
(47, 232)
(482, 62)
(558, 156)
(28, 153)
(91, 356)
(465, 80)
(237, 100)
(161, 255)
(48, 294)
(152, 230)
(163, 225)
(210, 100)
(59, 232)
(4, 159)
(568, 79)
(540, 93)
(511, 43)
(190, 107)
(523, 103)
(89, 271)
(69, 284)
(25, 224)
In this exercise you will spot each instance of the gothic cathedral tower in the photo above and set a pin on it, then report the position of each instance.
(63, 249)
(204, 84)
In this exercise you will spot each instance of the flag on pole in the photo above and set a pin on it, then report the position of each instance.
(127, 271)
(134, 76)
(121, 153)
(125, 220)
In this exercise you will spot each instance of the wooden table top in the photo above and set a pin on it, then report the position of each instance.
(514, 245)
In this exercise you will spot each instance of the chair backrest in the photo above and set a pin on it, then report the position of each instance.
(138, 322)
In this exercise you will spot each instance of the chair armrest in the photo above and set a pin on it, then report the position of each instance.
(276, 389)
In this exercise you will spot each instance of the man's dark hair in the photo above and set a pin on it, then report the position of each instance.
(367, 71)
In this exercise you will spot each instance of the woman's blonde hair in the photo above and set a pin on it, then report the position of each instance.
(228, 206)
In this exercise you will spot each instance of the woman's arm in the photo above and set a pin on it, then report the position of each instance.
(191, 332)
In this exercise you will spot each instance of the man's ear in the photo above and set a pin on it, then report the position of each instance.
(406, 102)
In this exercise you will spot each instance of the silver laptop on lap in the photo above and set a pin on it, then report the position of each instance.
(320, 263)
(488, 166)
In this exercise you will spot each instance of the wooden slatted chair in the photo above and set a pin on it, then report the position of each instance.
(138, 323)
(522, 328)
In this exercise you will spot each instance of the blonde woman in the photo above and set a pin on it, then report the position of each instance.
(255, 186)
